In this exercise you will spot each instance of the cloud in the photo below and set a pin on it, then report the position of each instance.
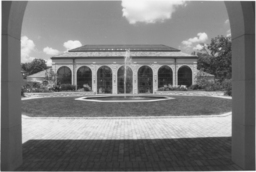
(198, 47)
(229, 33)
(227, 21)
(49, 62)
(149, 11)
(27, 46)
(72, 44)
(50, 51)
(200, 38)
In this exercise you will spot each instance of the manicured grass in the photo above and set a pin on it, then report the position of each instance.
(181, 105)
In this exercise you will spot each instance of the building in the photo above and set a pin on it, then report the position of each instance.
(102, 68)
(39, 76)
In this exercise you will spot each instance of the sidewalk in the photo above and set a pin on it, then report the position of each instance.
(155, 144)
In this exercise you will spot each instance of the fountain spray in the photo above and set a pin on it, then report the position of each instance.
(127, 61)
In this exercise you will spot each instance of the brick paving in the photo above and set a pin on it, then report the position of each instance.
(133, 144)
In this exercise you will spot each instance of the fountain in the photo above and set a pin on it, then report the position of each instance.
(127, 61)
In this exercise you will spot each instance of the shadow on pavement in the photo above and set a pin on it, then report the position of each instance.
(119, 155)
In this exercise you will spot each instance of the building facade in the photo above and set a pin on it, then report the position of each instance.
(101, 67)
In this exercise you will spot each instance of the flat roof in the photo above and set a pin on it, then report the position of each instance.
(131, 47)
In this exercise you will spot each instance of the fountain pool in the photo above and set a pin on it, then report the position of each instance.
(121, 99)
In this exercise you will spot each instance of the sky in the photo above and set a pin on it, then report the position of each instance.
(53, 27)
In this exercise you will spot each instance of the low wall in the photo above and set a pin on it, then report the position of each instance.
(58, 94)
(191, 93)
(174, 93)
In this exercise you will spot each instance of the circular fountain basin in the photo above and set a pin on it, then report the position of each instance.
(121, 99)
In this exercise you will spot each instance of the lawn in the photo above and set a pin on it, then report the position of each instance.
(180, 106)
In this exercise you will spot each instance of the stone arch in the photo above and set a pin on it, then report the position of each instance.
(242, 22)
(185, 75)
(165, 76)
(145, 79)
(84, 76)
(104, 80)
(64, 75)
(120, 80)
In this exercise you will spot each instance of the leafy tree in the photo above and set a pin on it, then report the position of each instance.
(216, 58)
(50, 75)
(35, 66)
(221, 63)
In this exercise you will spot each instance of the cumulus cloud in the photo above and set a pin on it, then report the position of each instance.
(198, 47)
(72, 44)
(149, 11)
(27, 46)
(50, 51)
(200, 38)
(49, 62)
(229, 33)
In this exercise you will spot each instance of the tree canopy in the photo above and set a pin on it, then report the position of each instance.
(216, 58)
(35, 66)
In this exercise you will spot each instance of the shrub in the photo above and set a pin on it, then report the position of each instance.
(67, 87)
(227, 86)
(87, 87)
(161, 89)
(173, 88)
(209, 85)
(22, 92)
(195, 87)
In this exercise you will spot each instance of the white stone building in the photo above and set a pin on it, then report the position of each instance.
(102, 68)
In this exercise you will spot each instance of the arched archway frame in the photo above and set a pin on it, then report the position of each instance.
(119, 70)
(242, 21)
(57, 67)
(77, 68)
(191, 67)
(64, 67)
(153, 76)
(113, 69)
(158, 69)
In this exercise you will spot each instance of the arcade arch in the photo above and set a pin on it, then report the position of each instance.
(84, 76)
(185, 76)
(104, 80)
(64, 75)
(145, 79)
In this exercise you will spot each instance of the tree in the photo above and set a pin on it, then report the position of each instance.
(50, 75)
(35, 66)
(221, 63)
(216, 58)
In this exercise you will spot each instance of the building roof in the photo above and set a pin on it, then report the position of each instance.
(122, 54)
(131, 47)
(119, 51)
(38, 74)
(202, 73)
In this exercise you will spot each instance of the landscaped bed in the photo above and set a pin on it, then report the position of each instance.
(180, 106)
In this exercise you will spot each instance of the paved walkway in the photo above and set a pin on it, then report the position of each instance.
(168, 144)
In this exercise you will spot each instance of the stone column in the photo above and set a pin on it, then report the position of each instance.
(74, 73)
(175, 74)
(94, 78)
(114, 78)
(135, 79)
(155, 77)
(11, 80)
(242, 22)
(194, 73)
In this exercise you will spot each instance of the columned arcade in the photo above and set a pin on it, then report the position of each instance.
(102, 68)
